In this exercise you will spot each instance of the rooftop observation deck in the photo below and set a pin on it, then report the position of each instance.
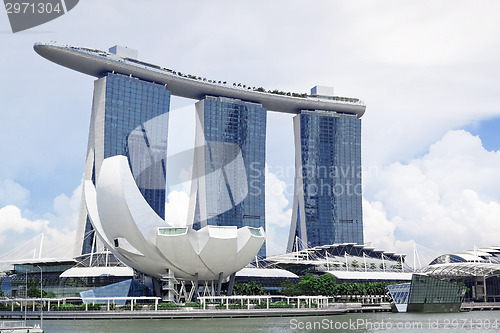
(97, 63)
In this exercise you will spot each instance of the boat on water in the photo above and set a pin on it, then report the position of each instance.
(426, 294)
(18, 327)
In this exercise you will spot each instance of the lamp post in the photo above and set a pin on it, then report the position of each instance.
(41, 296)
(26, 296)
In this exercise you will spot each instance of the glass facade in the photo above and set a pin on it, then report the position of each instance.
(428, 289)
(127, 288)
(399, 292)
(328, 192)
(229, 189)
(27, 276)
(130, 118)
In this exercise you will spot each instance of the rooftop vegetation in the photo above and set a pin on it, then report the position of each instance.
(236, 85)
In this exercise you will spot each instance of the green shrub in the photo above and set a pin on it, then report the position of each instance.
(168, 306)
(192, 304)
(281, 304)
(140, 306)
(70, 307)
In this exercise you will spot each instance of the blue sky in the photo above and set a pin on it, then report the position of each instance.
(428, 72)
(488, 131)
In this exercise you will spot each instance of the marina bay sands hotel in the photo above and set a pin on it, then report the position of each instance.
(130, 117)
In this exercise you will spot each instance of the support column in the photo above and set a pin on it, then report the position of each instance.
(195, 286)
(485, 293)
(474, 290)
(219, 285)
(156, 287)
(231, 284)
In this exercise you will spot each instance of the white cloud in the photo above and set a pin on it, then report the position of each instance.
(424, 32)
(278, 217)
(66, 209)
(11, 193)
(58, 228)
(276, 240)
(277, 213)
(11, 219)
(378, 230)
(59, 243)
(176, 208)
(446, 200)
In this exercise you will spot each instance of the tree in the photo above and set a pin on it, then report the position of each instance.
(249, 288)
(347, 288)
(396, 267)
(34, 292)
(289, 289)
(372, 288)
(327, 285)
(360, 289)
(309, 285)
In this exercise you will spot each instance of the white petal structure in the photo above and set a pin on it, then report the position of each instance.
(141, 239)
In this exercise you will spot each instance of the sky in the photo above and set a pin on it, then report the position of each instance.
(427, 70)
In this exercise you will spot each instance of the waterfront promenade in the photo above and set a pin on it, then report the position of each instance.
(192, 313)
(488, 306)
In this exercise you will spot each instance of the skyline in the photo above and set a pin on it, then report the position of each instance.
(427, 73)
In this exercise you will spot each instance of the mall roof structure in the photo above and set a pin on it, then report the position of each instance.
(371, 276)
(484, 254)
(462, 269)
(484, 261)
(346, 256)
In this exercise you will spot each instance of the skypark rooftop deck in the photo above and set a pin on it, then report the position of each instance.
(97, 63)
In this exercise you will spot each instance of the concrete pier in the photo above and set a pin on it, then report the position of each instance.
(333, 309)
(488, 306)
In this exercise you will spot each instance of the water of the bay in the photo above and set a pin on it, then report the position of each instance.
(484, 321)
